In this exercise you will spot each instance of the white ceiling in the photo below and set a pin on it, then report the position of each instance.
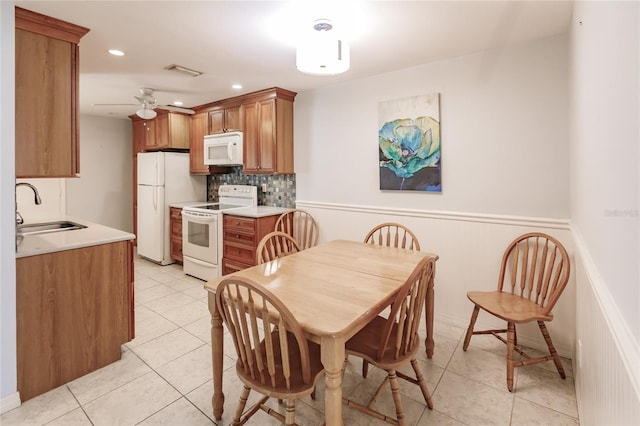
(229, 42)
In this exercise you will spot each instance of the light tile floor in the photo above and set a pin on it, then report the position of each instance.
(164, 376)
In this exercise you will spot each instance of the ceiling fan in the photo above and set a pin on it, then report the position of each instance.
(147, 103)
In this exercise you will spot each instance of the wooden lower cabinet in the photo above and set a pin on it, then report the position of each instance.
(241, 236)
(175, 239)
(74, 310)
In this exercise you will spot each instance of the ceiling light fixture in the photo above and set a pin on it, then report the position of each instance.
(180, 68)
(236, 86)
(116, 52)
(322, 52)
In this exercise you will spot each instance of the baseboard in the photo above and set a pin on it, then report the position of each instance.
(10, 402)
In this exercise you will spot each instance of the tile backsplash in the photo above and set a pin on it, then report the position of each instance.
(280, 189)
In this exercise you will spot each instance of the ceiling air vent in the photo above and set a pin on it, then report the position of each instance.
(180, 68)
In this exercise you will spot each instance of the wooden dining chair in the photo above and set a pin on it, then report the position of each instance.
(393, 235)
(301, 226)
(275, 245)
(391, 342)
(535, 270)
(279, 364)
(390, 234)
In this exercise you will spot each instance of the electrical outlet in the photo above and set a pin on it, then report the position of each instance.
(264, 187)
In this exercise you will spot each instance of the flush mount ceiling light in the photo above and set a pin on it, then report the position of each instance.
(322, 52)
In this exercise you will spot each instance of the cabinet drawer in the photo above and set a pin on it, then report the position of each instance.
(239, 223)
(175, 213)
(238, 238)
(240, 252)
(231, 266)
(176, 249)
(176, 228)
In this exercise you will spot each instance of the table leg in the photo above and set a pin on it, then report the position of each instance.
(428, 307)
(217, 342)
(332, 356)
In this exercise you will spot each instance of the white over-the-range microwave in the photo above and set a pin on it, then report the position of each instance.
(223, 149)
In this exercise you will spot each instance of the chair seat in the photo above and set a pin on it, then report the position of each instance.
(279, 389)
(509, 307)
(366, 343)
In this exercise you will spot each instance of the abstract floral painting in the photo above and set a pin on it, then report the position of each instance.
(409, 143)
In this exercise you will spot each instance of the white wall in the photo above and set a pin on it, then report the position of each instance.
(605, 146)
(504, 168)
(504, 134)
(605, 202)
(9, 397)
(104, 192)
(52, 194)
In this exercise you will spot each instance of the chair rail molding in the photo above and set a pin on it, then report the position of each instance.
(539, 222)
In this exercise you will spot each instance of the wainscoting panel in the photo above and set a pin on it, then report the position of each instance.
(607, 362)
(470, 248)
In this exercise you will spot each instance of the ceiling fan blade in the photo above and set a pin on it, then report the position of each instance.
(175, 109)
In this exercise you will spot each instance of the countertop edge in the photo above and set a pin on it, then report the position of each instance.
(256, 212)
(95, 234)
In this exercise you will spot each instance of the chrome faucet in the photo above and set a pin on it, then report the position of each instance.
(37, 200)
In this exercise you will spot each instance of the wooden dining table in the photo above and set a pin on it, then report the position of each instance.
(334, 290)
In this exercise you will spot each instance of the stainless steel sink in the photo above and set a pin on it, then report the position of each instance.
(48, 227)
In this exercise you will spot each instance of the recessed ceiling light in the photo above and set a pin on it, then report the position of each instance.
(116, 52)
(236, 86)
(177, 103)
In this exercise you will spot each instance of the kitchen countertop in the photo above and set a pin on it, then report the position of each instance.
(259, 211)
(94, 234)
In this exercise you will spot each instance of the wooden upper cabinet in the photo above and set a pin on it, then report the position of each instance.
(266, 120)
(171, 131)
(225, 119)
(139, 136)
(168, 130)
(268, 132)
(199, 128)
(144, 134)
(46, 78)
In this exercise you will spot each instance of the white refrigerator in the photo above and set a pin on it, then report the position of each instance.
(163, 179)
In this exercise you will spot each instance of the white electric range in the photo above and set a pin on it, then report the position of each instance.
(202, 230)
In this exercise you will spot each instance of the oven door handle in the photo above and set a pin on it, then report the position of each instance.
(201, 217)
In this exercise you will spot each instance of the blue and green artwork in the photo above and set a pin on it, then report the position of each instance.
(409, 144)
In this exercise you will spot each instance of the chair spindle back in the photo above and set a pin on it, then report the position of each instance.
(301, 226)
(393, 235)
(275, 245)
(401, 329)
(248, 310)
(535, 266)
